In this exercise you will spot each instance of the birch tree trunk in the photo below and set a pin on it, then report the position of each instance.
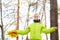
(1, 26)
(18, 17)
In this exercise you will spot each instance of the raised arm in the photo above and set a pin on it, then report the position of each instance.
(46, 31)
(23, 32)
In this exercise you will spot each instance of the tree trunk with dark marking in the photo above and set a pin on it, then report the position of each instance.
(54, 19)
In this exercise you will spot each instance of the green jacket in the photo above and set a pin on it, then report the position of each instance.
(36, 29)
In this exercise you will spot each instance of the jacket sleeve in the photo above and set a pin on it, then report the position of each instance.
(46, 31)
(23, 32)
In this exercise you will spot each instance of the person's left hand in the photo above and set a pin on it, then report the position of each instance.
(55, 27)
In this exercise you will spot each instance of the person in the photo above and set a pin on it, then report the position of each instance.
(36, 29)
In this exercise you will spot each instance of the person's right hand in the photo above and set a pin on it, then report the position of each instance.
(12, 33)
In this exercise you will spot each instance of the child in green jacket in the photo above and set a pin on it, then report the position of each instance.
(36, 29)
